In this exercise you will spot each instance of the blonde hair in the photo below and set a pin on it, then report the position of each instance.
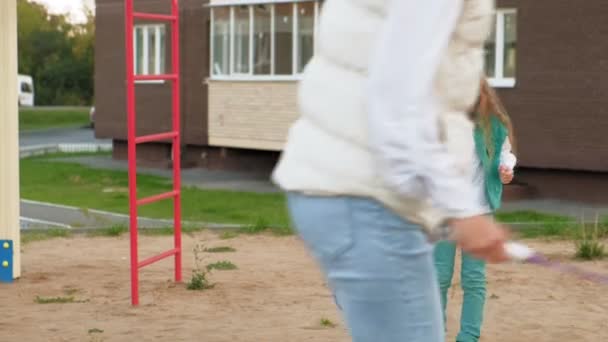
(488, 105)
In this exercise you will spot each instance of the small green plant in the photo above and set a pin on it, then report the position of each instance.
(70, 291)
(326, 323)
(282, 230)
(85, 211)
(116, 230)
(54, 300)
(228, 235)
(260, 225)
(224, 265)
(219, 249)
(589, 247)
(59, 233)
(95, 331)
(169, 231)
(590, 250)
(40, 235)
(199, 281)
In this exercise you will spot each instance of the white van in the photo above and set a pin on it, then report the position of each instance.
(25, 89)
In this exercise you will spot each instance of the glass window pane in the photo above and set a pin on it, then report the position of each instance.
(241, 39)
(163, 50)
(139, 50)
(221, 40)
(490, 54)
(26, 88)
(283, 50)
(261, 39)
(510, 44)
(152, 50)
(306, 26)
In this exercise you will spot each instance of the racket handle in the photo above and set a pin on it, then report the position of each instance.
(518, 251)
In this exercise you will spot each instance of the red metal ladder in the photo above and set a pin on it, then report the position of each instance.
(134, 140)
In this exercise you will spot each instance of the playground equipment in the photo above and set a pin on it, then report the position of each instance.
(10, 261)
(134, 140)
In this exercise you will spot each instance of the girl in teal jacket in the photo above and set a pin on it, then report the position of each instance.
(493, 167)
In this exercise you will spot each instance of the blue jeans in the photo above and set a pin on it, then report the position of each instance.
(473, 280)
(379, 267)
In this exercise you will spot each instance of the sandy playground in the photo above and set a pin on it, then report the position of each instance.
(276, 294)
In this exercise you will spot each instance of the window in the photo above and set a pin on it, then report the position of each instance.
(501, 48)
(283, 39)
(241, 40)
(262, 21)
(306, 28)
(263, 41)
(510, 23)
(220, 41)
(149, 49)
(149, 45)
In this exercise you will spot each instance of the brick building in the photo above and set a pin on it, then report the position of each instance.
(241, 60)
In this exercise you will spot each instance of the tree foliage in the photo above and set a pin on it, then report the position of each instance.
(57, 53)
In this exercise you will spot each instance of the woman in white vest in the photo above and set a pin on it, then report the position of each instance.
(382, 153)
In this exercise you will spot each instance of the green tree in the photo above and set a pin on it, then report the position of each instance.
(57, 53)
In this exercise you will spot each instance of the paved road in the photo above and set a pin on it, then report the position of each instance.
(58, 136)
(37, 215)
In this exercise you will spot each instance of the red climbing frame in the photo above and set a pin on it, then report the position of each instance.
(134, 140)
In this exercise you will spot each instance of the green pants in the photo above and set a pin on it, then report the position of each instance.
(473, 282)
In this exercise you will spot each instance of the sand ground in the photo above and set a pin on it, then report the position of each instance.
(276, 294)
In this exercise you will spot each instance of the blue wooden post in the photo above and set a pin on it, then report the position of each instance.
(6, 261)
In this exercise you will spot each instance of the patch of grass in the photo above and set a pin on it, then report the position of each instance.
(44, 119)
(282, 230)
(326, 323)
(169, 231)
(70, 291)
(80, 186)
(547, 230)
(40, 235)
(60, 155)
(528, 216)
(223, 265)
(220, 249)
(228, 235)
(95, 331)
(262, 225)
(557, 227)
(54, 300)
(117, 230)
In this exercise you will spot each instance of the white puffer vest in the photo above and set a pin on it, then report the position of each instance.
(327, 151)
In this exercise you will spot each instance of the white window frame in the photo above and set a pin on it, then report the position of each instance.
(250, 76)
(499, 80)
(146, 30)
